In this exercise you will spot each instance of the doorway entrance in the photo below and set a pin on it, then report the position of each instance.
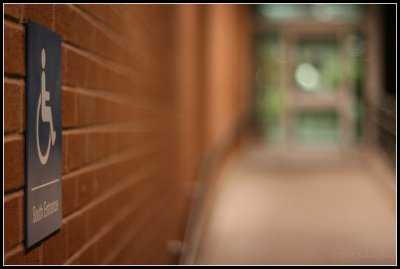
(309, 78)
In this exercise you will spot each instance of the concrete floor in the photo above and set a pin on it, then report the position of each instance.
(300, 208)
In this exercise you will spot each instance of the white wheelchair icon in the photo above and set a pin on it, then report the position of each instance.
(45, 115)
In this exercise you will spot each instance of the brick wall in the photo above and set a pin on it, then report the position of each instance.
(130, 142)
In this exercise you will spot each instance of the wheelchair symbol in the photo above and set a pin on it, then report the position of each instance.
(46, 115)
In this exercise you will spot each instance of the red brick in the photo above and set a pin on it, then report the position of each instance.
(96, 146)
(69, 105)
(14, 50)
(111, 111)
(90, 36)
(69, 194)
(104, 246)
(67, 22)
(104, 177)
(23, 256)
(139, 34)
(151, 235)
(13, 107)
(55, 249)
(13, 10)
(104, 107)
(13, 222)
(78, 69)
(76, 151)
(14, 162)
(99, 215)
(123, 229)
(144, 13)
(109, 46)
(116, 173)
(147, 228)
(88, 256)
(107, 115)
(77, 232)
(85, 72)
(126, 167)
(74, 261)
(121, 113)
(40, 13)
(115, 143)
(87, 110)
(87, 187)
(107, 16)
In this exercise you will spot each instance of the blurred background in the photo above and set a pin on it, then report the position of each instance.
(313, 177)
(213, 134)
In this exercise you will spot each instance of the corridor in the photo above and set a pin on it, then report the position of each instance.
(317, 208)
(189, 134)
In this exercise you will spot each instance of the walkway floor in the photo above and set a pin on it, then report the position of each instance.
(303, 209)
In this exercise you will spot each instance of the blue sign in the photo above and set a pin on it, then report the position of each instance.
(43, 204)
